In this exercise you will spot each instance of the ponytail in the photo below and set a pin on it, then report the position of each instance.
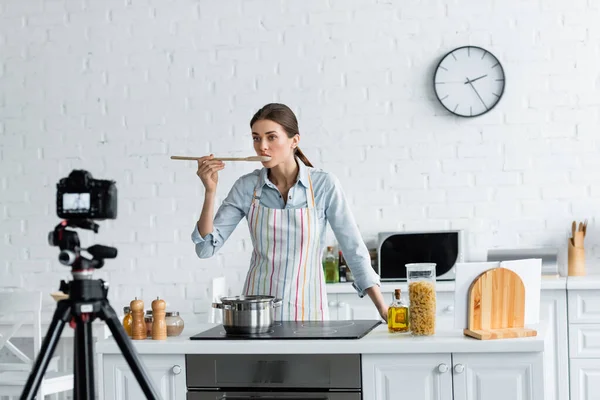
(303, 158)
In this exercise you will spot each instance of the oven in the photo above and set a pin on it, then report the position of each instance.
(273, 376)
(396, 249)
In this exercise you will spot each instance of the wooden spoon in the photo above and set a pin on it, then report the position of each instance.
(251, 158)
(573, 228)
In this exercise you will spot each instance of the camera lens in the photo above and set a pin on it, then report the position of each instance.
(67, 257)
(51, 238)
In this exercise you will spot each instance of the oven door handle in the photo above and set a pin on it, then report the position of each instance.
(271, 397)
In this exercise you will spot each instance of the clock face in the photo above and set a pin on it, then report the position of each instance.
(469, 81)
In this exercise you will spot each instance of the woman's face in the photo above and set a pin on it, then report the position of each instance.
(270, 139)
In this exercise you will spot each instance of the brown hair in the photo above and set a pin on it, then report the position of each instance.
(284, 116)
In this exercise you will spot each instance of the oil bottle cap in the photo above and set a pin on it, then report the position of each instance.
(397, 293)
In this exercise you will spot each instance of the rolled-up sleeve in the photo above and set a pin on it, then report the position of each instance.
(229, 214)
(339, 215)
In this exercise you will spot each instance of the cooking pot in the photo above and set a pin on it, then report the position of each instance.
(248, 314)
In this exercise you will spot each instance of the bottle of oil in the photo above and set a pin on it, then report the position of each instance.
(127, 320)
(330, 266)
(398, 314)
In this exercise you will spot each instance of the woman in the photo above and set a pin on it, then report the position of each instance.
(287, 204)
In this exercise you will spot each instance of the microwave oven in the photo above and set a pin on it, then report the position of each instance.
(396, 249)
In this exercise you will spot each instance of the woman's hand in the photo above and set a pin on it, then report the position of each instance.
(375, 294)
(208, 172)
(383, 311)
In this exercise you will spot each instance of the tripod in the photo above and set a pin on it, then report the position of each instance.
(87, 301)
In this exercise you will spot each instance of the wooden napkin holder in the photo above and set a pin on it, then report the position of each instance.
(496, 306)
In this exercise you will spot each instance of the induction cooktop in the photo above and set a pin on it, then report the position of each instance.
(352, 329)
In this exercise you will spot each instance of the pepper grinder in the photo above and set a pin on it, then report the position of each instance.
(159, 323)
(138, 326)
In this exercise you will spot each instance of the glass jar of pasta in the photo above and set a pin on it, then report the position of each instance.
(422, 301)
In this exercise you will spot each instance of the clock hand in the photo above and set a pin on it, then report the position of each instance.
(477, 93)
(476, 79)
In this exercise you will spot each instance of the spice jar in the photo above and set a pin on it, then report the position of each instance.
(174, 323)
(127, 320)
(422, 298)
(148, 321)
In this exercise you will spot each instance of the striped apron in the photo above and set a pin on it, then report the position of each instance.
(286, 261)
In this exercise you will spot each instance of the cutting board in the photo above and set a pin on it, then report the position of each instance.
(496, 306)
(529, 270)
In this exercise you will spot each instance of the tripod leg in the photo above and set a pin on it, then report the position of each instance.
(61, 316)
(83, 359)
(108, 314)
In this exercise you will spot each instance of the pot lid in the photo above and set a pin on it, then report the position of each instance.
(247, 299)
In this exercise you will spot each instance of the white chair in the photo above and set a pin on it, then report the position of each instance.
(18, 309)
(219, 289)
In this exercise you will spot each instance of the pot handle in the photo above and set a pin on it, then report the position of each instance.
(277, 303)
(221, 306)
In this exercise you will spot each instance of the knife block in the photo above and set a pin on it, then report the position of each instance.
(496, 306)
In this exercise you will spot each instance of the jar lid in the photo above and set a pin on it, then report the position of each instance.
(127, 310)
(148, 312)
(172, 314)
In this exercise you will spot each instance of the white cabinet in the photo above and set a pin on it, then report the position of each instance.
(468, 376)
(553, 312)
(584, 344)
(515, 376)
(407, 376)
(167, 373)
(585, 379)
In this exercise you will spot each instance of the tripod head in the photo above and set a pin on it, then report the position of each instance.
(70, 249)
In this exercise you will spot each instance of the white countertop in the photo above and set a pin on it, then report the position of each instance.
(548, 283)
(378, 341)
(588, 282)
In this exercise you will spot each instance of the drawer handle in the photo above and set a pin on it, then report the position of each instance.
(176, 369)
(443, 368)
(459, 368)
(332, 304)
(449, 309)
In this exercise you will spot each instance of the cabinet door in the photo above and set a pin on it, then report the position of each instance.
(350, 306)
(585, 379)
(332, 302)
(498, 376)
(553, 312)
(407, 376)
(167, 373)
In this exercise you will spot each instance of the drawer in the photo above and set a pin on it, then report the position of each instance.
(444, 304)
(584, 340)
(584, 307)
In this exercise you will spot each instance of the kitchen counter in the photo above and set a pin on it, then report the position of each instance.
(378, 341)
(588, 282)
(548, 283)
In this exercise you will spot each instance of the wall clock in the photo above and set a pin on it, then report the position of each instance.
(469, 81)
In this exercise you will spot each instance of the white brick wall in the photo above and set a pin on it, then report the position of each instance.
(115, 87)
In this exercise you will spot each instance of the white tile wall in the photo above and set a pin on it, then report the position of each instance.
(115, 87)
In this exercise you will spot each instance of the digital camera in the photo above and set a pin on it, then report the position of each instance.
(80, 196)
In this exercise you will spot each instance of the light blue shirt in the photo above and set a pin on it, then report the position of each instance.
(331, 205)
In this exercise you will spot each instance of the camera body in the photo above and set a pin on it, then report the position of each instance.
(80, 196)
